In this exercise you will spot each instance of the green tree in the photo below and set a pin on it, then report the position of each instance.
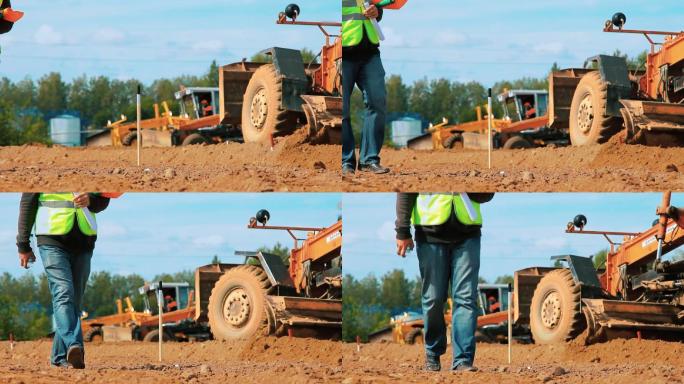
(504, 279)
(52, 93)
(278, 249)
(600, 258)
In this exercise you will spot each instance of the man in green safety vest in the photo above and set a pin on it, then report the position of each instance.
(65, 230)
(447, 232)
(362, 67)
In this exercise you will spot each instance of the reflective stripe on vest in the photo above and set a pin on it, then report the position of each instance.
(435, 209)
(353, 24)
(56, 213)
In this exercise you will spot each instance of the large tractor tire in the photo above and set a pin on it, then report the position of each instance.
(130, 139)
(414, 336)
(153, 336)
(262, 114)
(454, 141)
(237, 305)
(589, 119)
(194, 139)
(555, 314)
(517, 142)
(93, 335)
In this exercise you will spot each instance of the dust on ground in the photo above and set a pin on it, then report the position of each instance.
(292, 165)
(610, 167)
(265, 360)
(626, 361)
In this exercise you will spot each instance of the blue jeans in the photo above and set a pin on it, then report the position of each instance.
(459, 264)
(67, 275)
(369, 76)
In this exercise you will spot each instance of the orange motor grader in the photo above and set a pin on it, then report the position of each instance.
(635, 294)
(263, 100)
(604, 98)
(265, 296)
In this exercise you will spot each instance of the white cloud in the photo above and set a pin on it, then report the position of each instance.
(111, 229)
(451, 38)
(209, 46)
(210, 241)
(386, 231)
(549, 48)
(551, 244)
(393, 38)
(108, 35)
(47, 35)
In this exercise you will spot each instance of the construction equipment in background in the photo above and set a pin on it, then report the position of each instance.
(265, 296)
(264, 100)
(524, 125)
(123, 133)
(255, 102)
(92, 329)
(634, 294)
(491, 322)
(126, 325)
(604, 98)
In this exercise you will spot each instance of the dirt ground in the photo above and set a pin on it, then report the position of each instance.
(291, 166)
(296, 166)
(611, 167)
(618, 361)
(261, 361)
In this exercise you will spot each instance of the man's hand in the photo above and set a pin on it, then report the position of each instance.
(26, 258)
(371, 12)
(403, 246)
(82, 200)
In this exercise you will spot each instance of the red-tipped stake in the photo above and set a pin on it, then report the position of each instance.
(139, 117)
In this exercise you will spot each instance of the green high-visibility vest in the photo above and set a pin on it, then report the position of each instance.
(353, 24)
(57, 213)
(436, 208)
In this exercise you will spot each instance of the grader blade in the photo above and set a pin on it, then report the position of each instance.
(653, 123)
(324, 117)
(607, 319)
(156, 138)
(304, 316)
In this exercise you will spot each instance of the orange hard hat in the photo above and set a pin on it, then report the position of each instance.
(111, 195)
(11, 15)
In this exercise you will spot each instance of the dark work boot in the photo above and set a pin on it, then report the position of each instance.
(75, 357)
(432, 363)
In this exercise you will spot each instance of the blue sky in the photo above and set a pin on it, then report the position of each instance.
(502, 39)
(520, 229)
(150, 39)
(151, 233)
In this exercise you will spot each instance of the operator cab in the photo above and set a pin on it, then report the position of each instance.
(524, 104)
(492, 298)
(198, 102)
(175, 295)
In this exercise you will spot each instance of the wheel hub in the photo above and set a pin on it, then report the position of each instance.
(551, 310)
(585, 115)
(237, 308)
(259, 109)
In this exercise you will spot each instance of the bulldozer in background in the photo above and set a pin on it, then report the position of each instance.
(604, 98)
(635, 294)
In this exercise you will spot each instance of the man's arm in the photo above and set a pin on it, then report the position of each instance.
(28, 207)
(404, 208)
(98, 203)
(481, 197)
